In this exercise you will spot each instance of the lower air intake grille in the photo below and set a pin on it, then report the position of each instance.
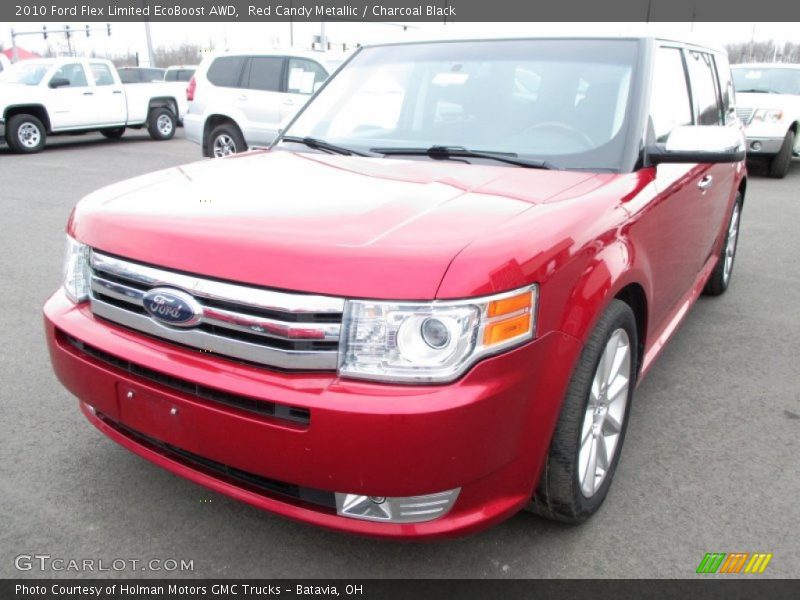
(244, 479)
(295, 414)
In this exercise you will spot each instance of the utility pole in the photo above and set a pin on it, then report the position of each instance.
(291, 24)
(149, 38)
(69, 39)
(66, 31)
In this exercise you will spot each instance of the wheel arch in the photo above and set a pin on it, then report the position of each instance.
(164, 102)
(212, 122)
(616, 272)
(37, 110)
(742, 189)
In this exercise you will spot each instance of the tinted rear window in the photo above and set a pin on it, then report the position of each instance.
(179, 75)
(265, 73)
(225, 71)
(128, 76)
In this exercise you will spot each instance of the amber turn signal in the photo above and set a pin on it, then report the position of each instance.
(500, 331)
(506, 306)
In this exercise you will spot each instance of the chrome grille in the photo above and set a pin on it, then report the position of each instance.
(276, 329)
(745, 114)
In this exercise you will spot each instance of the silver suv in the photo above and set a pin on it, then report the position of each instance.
(240, 100)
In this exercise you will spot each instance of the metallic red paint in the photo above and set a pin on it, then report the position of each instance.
(415, 230)
(486, 433)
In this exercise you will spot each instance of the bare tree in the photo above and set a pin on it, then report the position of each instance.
(768, 51)
(185, 54)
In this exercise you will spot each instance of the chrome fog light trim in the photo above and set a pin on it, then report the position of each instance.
(405, 509)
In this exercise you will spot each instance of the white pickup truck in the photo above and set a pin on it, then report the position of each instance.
(59, 96)
(768, 103)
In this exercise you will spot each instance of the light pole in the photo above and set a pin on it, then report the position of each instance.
(147, 35)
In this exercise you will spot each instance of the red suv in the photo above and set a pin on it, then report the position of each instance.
(428, 305)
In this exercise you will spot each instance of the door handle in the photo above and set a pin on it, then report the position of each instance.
(117, 92)
(88, 93)
(705, 183)
(242, 98)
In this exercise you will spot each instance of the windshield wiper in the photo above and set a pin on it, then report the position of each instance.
(755, 91)
(318, 144)
(461, 152)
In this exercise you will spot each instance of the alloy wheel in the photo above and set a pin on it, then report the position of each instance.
(605, 413)
(730, 246)
(224, 146)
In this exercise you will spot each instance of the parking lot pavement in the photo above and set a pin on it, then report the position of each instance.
(710, 463)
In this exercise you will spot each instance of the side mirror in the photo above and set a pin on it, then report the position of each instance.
(699, 144)
(59, 82)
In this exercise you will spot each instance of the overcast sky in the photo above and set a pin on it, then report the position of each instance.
(130, 37)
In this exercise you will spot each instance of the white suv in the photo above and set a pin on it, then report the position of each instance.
(768, 103)
(238, 100)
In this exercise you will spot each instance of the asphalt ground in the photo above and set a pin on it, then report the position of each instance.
(710, 463)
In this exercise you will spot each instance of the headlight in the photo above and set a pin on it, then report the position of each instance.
(435, 341)
(76, 271)
(768, 115)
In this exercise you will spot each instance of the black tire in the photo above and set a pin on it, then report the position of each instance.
(779, 164)
(559, 495)
(161, 123)
(227, 131)
(114, 133)
(25, 134)
(720, 279)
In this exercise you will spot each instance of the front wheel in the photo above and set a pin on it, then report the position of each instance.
(587, 441)
(26, 134)
(161, 123)
(720, 277)
(779, 164)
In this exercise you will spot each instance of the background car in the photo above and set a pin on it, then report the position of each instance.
(240, 100)
(768, 103)
(180, 73)
(65, 96)
(140, 74)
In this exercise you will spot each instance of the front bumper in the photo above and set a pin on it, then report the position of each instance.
(487, 433)
(193, 125)
(763, 145)
(2, 131)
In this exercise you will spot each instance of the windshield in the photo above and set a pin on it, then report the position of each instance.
(28, 73)
(563, 101)
(768, 80)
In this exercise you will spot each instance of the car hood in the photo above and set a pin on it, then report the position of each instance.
(16, 93)
(784, 101)
(314, 222)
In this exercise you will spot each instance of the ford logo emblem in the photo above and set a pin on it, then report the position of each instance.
(172, 307)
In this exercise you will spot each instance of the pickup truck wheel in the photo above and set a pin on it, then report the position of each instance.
(225, 140)
(780, 163)
(25, 134)
(587, 441)
(113, 134)
(161, 123)
(721, 275)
